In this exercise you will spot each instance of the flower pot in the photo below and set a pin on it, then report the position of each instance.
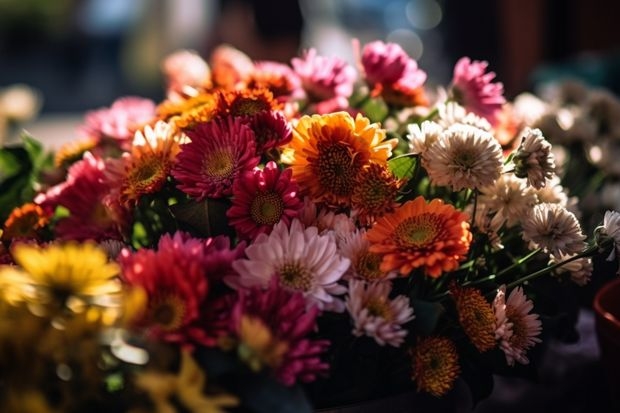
(607, 310)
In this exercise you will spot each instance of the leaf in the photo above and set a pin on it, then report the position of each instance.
(403, 166)
(375, 109)
(427, 315)
(205, 218)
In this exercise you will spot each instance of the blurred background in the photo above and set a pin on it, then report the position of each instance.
(83, 54)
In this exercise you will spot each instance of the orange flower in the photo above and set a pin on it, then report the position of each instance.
(328, 153)
(187, 113)
(433, 236)
(375, 193)
(73, 151)
(249, 102)
(24, 222)
(476, 316)
(435, 365)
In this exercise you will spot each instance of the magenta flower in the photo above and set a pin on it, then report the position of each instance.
(327, 81)
(219, 256)
(386, 64)
(271, 130)
(218, 152)
(472, 87)
(261, 199)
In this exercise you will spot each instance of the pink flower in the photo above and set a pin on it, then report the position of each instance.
(120, 121)
(185, 72)
(261, 199)
(219, 256)
(386, 64)
(473, 88)
(279, 78)
(271, 130)
(327, 81)
(218, 152)
(280, 319)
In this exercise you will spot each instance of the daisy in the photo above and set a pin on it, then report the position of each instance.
(300, 258)
(534, 159)
(73, 151)
(472, 87)
(450, 113)
(328, 152)
(475, 316)
(509, 198)
(463, 157)
(248, 102)
(187, 113)
(24, 222)
(554, 229)
(61, 277)
(516, 328)
(579, 270)
(327, 81)
(261, 199)
(365, 265)
(219, 151)
(423, 136)
(175, 280)
(432, 236)
(272, 328)
(377, 316)
(375, 193)
(435, 365)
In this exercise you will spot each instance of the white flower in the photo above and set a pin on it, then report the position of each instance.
(509, 198)
(302, 259)
(375, 314)
(554, 229)
(364, 264)
(451, 113)
(516, 329)
(611, 228)
(422, 136)
(534, 159)
(580, 269)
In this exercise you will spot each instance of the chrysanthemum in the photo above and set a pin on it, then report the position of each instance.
(219, 256)
(120, 121)
(435, 365)
(432, 236)
(579, 270)
(187, 113)
(145, 170)
(475, 316)
(554, 229)
(375, 314)
(219, 151)
(261, 199)
(611, 228)
(450, 113)
(375, 193)
(463, 157)
(248, 102)
(61, 277)
(271, 130)
(534, 159)
(279, 78)
(300, 258)
(472, 87)
(326, 219)
(272, 327)
(421, 137)
(365, 265)
(330, 151)
(509, 198)
(554, 193)
(25, 221)
(175, 280)
(327, 81)
(516, 328)
(186, 72)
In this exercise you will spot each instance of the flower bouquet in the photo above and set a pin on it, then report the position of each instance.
(276, 237)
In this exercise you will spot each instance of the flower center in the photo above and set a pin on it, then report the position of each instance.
(465, 160)
(147, 176)
(368, 265)
(380, 307)
(167, 312)
(337, 169)
(267, 208)
(417, 232)
(248, 106)
(219, 164)
(295, 276)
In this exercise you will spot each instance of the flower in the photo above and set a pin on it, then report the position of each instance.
(261, 199)
(187, 113)
(534, 159)
(25, 221)
(421, 137)
(185, 72)
(435, 365)
(300, 258)
(408, 238)
(248, 102)
(218, 152)
(375, 314)
(554, 229)
(509, 198)
(475, 316)
(279, 78)
(365, 265)
(271, 130)
(579, 270)
(374, 193)
(516, 328)
(611, 228)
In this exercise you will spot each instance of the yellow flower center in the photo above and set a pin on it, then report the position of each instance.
(219, 164)
(417, 232)
(368, 266)
(295, 276)
(146, 176)
(337, 169)
(266, 208)
(248, 106)
(380, 307)
(167, 312)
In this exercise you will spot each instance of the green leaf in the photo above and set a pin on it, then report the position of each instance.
(427, 315)
(375, 109)
(9, 164)
(403, 166)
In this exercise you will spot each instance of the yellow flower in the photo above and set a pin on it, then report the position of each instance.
(475, 316)
(435, 365)
(60, 277)
(258, 348)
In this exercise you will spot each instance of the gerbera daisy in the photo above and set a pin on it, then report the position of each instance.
(248, 102)
(272, 328)
(579, 270)
(472, 87)
(554, 229)
(534, 159)
(364, 264)
(61, 277)
(509, 198)
(24, 222)
(516, 328)
(300, 258)
(435, 365)
(176, 283)
(432, 236)
(218, 152)
(329, 152)
(375, 193)
(421, 137)
(186, 73)
(187, 113)
(475, 316)
(271, 130)
(327, 81)
(463, 157)
(261, 199)
(375, 315)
